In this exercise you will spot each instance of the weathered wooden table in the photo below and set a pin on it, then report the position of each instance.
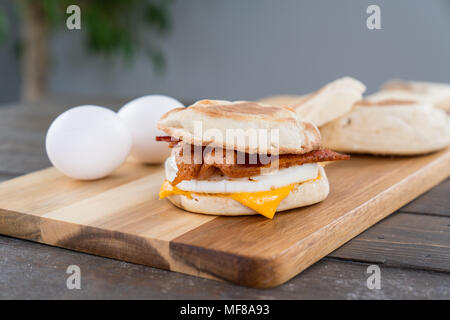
(411, 247)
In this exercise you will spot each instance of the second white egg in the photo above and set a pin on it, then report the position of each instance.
(141, 115)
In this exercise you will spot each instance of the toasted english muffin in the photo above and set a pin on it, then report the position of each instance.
(389, 127)
(233, 125)
(326, 104)
(280, 100)
(428, 92)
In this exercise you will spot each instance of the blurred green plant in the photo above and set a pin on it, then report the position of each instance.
(3, 26)
(110, 28)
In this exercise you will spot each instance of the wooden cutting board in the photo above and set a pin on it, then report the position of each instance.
(120, 217)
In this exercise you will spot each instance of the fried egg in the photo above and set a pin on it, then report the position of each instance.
(223, 184)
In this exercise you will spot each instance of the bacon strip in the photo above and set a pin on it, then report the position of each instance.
(166, 139)
(229, 167)
(172, 141)
(284, 161)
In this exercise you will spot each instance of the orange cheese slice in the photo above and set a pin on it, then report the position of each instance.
(263, 202)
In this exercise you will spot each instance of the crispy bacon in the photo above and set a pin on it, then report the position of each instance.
(166, 139)
(228, 166)
(172, 141)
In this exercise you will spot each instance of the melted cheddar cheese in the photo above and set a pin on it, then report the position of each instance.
(263, 202)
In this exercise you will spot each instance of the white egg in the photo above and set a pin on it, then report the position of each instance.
(140, 116)
(88, 142)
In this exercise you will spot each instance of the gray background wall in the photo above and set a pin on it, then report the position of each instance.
(246, 49)
(9, 64)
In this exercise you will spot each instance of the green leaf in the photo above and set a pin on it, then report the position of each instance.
(157, 15)
(111, 27)
(53, 11)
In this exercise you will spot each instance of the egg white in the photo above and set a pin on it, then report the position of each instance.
(223, 184)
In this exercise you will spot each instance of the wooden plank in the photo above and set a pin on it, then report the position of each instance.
(4, 177)
(35, 271)
(120, 217)
(403, 240)
(41, 197)
(22, 132)
(434, 202)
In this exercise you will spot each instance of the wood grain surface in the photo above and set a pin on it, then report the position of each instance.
(407, 241)
(31, 270)
(120, 217)
(435, 203)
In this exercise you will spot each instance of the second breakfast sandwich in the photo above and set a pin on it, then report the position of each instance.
(242, 158)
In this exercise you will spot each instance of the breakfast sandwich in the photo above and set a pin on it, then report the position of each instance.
(242, 158)
(389, 127)
(324, 105)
